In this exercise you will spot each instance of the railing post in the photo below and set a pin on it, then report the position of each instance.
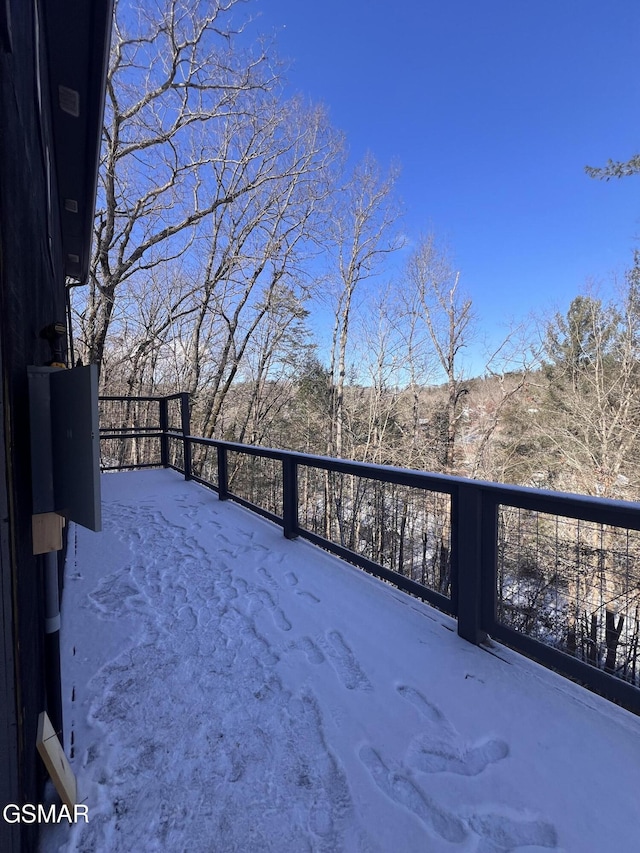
(186, 431)
(290, 497)
(468, 530)
(164, 438)
(223, 475)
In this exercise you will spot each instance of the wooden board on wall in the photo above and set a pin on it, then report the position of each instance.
(46, 528)
(56, 761)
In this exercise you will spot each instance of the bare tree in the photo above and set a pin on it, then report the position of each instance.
(281, 344)
(379, 352)
(363, 234)
(434, 300)
(256, 247)
(175, 74)
(507, 373)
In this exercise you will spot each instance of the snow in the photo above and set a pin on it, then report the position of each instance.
(228, 690)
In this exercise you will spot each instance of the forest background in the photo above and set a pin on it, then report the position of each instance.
(229, 215)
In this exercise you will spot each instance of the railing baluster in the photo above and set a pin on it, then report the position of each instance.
(290, 497)
(489, 562)
(223, 473)
(164, 438)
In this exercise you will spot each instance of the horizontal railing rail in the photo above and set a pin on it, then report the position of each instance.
(500, 551)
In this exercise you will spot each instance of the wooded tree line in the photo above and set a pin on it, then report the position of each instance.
(227, 214)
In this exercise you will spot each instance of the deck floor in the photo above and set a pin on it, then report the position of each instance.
(228, 690)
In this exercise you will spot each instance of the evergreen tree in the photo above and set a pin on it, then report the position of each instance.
(615, 169)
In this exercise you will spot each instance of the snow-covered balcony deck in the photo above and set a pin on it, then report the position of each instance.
(229, 690)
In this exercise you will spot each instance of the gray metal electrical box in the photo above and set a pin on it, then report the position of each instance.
(65, 443)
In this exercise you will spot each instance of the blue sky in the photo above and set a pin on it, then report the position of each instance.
(492, 110)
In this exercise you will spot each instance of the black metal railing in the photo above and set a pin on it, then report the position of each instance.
(553, 575)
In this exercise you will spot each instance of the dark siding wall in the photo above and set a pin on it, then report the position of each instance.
(31, 296)
(9, 776)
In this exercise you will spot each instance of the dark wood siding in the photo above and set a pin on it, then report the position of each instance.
(31, 296)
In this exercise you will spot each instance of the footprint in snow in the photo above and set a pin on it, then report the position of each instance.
(404, 792)
(344, 662)
(501, 833)
(444, 752)
(292, 580)
(263, 598)
(440, 750)
(313, 653)
(429, 757)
